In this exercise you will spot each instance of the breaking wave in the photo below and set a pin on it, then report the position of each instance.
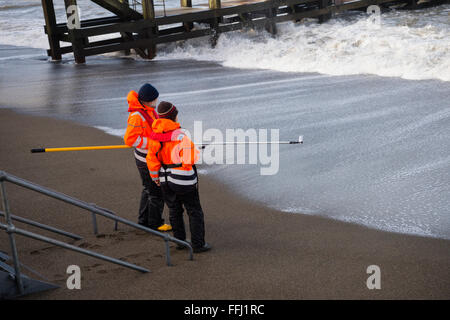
(406, 44)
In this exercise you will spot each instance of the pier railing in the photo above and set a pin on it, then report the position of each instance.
(10, 229)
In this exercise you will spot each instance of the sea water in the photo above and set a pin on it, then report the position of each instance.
(372, 102)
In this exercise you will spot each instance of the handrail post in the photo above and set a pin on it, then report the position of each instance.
(94, 223)
(10, 230)
(94, 219)
(169, 263)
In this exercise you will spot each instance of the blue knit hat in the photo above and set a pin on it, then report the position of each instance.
(148, 93)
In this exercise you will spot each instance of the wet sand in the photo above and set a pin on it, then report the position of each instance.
(258, 253)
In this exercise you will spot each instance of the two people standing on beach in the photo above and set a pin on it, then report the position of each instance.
(170, 166)
(141, 108)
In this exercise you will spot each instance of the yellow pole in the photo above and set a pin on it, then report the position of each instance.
(124, 146)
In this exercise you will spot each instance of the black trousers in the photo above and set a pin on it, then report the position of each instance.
(152, 203)
(191, 201)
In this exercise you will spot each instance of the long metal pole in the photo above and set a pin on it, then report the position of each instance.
(204, 145)
(43, 226)
(40, 150)
(250, 142)
(71, 247)
(10, 229)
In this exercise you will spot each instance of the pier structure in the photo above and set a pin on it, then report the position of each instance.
(142, 25)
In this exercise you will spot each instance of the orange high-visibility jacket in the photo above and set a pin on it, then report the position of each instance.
(139, 130)
(172, 162)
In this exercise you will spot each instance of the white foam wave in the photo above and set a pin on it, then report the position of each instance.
(407, 44)
(22, 24)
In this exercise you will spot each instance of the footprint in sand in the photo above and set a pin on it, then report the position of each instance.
(117, 234)
(89, 268)
(135, 255)
(86, 245)
(39, 251)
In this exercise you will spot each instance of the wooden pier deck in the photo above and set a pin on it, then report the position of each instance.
(142, 31)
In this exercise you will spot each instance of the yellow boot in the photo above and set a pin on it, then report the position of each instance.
(165, 228)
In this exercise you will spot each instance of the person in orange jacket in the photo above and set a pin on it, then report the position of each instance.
(172, 166)
(139, 131)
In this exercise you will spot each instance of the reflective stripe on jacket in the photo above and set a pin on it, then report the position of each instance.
(172, 162)
(138, 129)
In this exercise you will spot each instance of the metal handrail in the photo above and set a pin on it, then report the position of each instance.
(42, 226)
(11, 229)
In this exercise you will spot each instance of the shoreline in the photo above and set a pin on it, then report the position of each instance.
(228, 188)
(258, 252)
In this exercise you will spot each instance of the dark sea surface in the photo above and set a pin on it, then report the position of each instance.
(373, 105)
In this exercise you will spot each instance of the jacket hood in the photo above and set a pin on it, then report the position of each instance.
(133, 101)
(164, 125)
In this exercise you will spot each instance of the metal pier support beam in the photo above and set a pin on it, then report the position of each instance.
(124, 35)
(322, 5)
(50, 27)
(73, 18)
(148, 10)
(271, 26)
(214, 22)
(214, 35)
(188, 26)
